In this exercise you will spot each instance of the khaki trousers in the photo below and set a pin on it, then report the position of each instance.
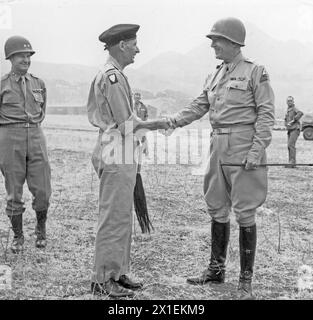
(113, 236)
(24, 156)
(227, 187)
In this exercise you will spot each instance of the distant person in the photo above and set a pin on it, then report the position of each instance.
(240, 102)
(23, 151)
(140, 109)
(293, 126)
(142, 112)
(110, 108)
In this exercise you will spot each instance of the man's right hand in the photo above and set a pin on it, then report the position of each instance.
(160, 123)
(164, 123)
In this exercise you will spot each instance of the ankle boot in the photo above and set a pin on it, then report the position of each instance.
(40, 229)
(17, 227)
(219, 241)
(247, 243)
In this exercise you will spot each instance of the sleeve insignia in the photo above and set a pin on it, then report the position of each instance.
(264, 76)
(113, 78)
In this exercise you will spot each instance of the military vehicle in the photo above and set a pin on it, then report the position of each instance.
(307, 126)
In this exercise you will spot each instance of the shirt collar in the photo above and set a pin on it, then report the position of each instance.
(17, 77)
(114, 62)
(231, 65)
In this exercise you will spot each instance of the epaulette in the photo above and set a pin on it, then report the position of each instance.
(108, 67)
(6, 76)
(33, 76)
(249, 61)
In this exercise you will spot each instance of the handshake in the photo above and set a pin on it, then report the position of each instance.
(165, 125)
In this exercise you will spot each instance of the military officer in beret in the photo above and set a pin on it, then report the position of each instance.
(110, 108)
(240, 102)
(23, 151)
(292, 123)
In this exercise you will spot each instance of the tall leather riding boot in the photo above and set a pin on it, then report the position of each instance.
(247, 243)
(40, 229)
(219, 242)
(17, 227)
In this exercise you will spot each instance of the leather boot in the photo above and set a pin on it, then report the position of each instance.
(40, 229)
(219, 241)
(247, 243)
(111, 288)
(17, 227)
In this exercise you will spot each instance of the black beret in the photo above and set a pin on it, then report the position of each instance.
(119, 32)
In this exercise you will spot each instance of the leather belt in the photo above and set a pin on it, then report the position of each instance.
(231, 129)
(20, 125)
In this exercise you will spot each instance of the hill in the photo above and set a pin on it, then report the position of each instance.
(290, 65)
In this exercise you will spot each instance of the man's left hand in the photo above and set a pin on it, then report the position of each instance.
(250, 164)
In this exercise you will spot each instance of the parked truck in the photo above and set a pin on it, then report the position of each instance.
(307, 126)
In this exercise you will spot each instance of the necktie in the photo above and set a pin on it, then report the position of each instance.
(23, 82)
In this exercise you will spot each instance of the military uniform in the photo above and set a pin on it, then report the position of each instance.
(240, 102)
(293, 126)
(110, 106)
(23, 151)
(142, 112)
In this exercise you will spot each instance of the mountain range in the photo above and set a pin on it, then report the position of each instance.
(289, 64)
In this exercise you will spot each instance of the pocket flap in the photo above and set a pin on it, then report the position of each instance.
(240, 85)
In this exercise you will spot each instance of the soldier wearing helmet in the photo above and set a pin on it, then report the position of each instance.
(240, 102)
(23, 151)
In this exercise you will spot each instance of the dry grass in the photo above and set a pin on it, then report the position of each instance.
(180, 244)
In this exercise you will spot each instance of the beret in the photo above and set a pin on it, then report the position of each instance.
(119, 32)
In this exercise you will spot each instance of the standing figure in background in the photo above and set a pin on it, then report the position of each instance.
(142, 113)
(23, 151)
(293, 126)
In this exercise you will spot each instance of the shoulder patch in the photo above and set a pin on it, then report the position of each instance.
(113, 78)
(264, 76)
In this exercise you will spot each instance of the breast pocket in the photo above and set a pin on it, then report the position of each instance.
(10, 98)
(237, 91)
(39, 99)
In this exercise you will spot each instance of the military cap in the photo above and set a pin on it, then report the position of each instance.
(117, 33)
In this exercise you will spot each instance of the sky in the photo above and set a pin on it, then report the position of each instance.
(66, 31)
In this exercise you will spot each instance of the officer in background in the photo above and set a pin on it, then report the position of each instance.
(142, 113)
(23, 151)
(110, 108)
(240, 102)
(140, 109)
(292, 124)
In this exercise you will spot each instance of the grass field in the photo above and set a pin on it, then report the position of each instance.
(178, 247)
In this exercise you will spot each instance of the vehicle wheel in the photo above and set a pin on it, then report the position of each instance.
(308, 133)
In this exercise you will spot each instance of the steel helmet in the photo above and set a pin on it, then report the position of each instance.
(17, 44)
(229, 28)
